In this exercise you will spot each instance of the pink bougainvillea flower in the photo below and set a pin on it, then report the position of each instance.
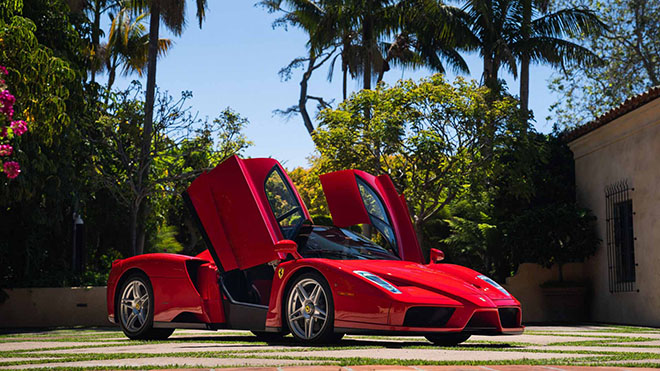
(12, 169)
(4, 70)
(19, 127)
(7, 103)
(6, 149)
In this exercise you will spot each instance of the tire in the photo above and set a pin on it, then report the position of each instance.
(447, 340)
(310, 310)
(268, 337)
(135, 310)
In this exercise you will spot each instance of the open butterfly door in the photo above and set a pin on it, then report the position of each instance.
(356, 197)
(243, 208)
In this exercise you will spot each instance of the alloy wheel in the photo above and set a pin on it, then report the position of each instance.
(134, 306)
(307, 309)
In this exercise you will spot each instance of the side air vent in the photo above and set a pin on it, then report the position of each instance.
(192, 266)
(427, 316)
(509, 317)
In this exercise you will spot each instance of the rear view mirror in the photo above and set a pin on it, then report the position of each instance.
(286, 247)
(437, 256)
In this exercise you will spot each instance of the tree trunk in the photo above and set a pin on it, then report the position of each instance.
(96, 35)
(302, 100)
(112, 71)
(147, 131)
(344, 69)
(133, 229)
(490, 78)
(367, 39)
(524, 85)
(524, 60)
(419, 232)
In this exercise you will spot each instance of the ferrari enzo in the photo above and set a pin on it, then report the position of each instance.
(270, 270)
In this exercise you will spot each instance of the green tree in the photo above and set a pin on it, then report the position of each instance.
(172, 14)
(182, 147)
(45, 58)
(432, 137)
(128, 45)
(542, 38)
(630, 51)
(423, 33)
(508, 31)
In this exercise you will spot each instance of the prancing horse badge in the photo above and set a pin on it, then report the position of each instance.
(280, 273)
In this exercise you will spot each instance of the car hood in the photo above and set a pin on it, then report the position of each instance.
(449, 280)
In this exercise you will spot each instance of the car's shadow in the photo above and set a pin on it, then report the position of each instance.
(252, 341)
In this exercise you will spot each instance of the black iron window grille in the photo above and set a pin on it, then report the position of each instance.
(620, 237)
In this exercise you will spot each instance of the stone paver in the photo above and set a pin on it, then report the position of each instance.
(429, 354)
(619, 349)
(533, 339)
(244, 350)
(165, 361)
(171, 348)
(35, 345)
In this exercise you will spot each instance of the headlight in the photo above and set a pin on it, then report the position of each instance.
(378, 281)
(494, 284)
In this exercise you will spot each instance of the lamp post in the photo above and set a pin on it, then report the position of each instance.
(78, 258)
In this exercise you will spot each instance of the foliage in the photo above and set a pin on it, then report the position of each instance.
(36, 219)
(128, 45)
(630, 51)
(309, 186)
(8, 128)
(527, 213)
(182, 147)
(435, 139)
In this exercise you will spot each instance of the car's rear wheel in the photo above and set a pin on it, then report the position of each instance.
(310, 311)
(135, 307)
(447, 340)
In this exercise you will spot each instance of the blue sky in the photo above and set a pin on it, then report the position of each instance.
(233, 62)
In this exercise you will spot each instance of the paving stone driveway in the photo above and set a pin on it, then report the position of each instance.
(543, 348)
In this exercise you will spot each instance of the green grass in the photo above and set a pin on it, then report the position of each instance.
(100, 338)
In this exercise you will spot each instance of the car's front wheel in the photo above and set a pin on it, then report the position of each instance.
(136, 310)
(310, 309)
(447, 340)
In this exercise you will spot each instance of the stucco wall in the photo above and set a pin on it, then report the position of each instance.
(626, 148)
(52, 307)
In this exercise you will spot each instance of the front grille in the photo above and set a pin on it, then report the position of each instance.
(509, 317)
(482, 321)
(427, 316)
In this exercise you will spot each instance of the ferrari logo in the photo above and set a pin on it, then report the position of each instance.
(307, 308)
(280, 273)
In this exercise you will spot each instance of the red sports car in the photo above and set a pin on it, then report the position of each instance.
(269, 270)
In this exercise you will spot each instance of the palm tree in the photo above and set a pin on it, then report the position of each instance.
(173, 15)
(95, 9)
(128, 45)
(543, 39)
(507, 32)
(492, 22)
(428, 33)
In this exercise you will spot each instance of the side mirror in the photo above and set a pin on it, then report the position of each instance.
(437, 256)
(286, 247)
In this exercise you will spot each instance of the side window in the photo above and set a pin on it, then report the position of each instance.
(620, 237)
(377, 213)
(283, 202)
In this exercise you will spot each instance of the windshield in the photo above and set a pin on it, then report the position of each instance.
(339, 244)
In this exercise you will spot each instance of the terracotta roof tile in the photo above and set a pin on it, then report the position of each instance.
(628, 105)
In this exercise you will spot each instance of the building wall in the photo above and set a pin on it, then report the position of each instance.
(54, 307)
(626, 148)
